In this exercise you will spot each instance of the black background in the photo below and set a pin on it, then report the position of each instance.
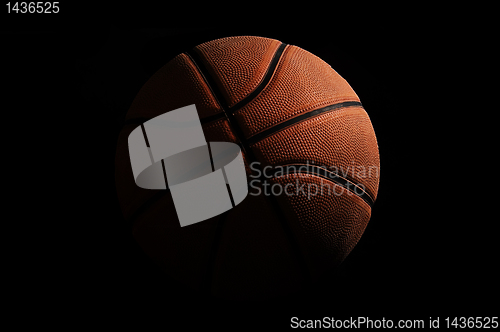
(69, 79)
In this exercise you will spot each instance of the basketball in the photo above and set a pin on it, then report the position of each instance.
(311, 159)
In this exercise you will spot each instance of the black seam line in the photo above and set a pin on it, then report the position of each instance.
(196, 60)
(281, 126)
(265, 81)
(328, 175)
(203, 71)
(214, 117)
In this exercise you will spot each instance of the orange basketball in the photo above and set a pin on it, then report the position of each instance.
(311, 158)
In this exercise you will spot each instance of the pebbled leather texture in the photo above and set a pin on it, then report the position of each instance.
(302, 82)
(224, 58)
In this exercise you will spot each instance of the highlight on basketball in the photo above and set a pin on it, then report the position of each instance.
(309, 154)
